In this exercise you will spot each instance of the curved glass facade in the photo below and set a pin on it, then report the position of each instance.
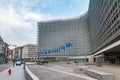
(88, 34)
(104, 20)
(53, 36)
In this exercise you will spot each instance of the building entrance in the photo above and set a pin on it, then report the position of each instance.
(112, 58)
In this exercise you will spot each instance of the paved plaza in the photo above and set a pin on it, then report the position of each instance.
(55, 71)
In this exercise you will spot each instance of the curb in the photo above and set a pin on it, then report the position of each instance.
(29, 75)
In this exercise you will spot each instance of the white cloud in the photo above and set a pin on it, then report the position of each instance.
(19, 28)
(34, 16)
(7, 18)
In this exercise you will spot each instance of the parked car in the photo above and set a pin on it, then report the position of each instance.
(18, 63)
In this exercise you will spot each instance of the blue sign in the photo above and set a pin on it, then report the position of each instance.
(56, 50)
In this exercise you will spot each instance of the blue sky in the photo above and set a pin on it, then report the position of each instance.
(18, 18)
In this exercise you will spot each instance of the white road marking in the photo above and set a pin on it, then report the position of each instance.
(72, 74)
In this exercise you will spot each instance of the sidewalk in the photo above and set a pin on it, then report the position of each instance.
(17, 73)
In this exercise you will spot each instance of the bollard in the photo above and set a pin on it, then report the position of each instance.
(9, 71)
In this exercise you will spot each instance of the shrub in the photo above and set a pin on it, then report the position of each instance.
(42, 61)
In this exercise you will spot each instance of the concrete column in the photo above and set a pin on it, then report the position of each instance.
(91, 60)
(99, 60)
